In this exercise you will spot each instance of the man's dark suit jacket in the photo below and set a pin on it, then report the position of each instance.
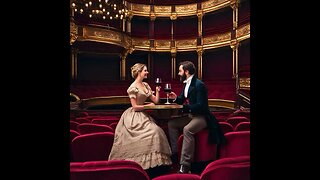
(198, 105)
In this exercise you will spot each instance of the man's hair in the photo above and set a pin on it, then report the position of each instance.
(188, 65)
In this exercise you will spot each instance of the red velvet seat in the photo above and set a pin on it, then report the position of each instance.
(74, 125)
(203, 150)
(86, 128)
(226, 127)
(105, 121)
(242, 126)
(234, 121)
(238, 144)
(228, 169)
(178, 177)
(73, 134)
(82, 120)
(114, 125)
(103, 170)
(92, 147)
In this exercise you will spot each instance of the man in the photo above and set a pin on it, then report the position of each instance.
(194, 98)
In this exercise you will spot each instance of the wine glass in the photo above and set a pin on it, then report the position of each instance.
(167, 89)
(158, 81)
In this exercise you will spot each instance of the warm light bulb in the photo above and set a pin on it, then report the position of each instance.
(104, 17)
(73, 5)
(104, 10)
(90, 15)
(87, 5)
(100, 5)
(75, 10)
(90, 3)
(110, 17)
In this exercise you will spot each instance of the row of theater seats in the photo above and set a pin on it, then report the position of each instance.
(234, 168)
(97, 146)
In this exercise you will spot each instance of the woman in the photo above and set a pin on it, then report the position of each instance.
(137, 136)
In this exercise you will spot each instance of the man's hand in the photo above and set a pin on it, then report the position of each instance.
(172, 95)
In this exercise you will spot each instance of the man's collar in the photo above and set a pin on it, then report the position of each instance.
(188, 81)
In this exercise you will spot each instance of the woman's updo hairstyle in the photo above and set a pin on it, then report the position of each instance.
(135, 69)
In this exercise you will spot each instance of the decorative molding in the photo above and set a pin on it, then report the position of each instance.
(190, 9)
(162, 44)
(162, 9)
(243, 31)
(181, 10)
(145, 43)
(217, 40)
(186, 43)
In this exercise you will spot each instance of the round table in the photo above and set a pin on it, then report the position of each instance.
(164, 111)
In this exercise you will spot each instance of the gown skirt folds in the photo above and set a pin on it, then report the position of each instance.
(138, 137)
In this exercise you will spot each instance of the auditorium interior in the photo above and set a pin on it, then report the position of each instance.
(107, 37)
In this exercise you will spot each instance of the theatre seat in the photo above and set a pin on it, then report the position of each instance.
(107, 170)
(92, 147)
(178, 177)
(86, 128)
(203, 150)
(237, 168)
(238, 144)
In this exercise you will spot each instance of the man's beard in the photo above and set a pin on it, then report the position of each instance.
(183, 77)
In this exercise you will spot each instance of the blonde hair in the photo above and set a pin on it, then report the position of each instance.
(135, 69)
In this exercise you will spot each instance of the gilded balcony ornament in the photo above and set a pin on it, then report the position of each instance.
(141, 8)
(186, 43)
(162, 44)
(162, 9)
(182, 9)
(173, 16)
(152, 16)
(234, 44)
(212, 3)
(73, 32)
(216, 38)
(244, 83)
(234, 4)
(173, 51)
(243, 30)
(140, 42)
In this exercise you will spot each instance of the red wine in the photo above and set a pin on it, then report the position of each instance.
(166, 90)
(158, 83)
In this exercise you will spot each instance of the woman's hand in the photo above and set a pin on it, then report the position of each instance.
(158, 88)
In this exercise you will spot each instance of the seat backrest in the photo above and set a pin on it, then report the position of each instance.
(178, 177)
(242, 126)
(86, 128)
(229, 160)
(226, 127)
(92, 147)
(238, 171)
(104, 121)
(73, 125)
(82, 120)
(237, 144)
(102, 170)
(234, 121)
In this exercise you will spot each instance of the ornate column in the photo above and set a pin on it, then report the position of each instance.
(200, 52)
(173, 65)
(234, 5)
(74, 63)
(129, 23)
(234, 45)
(123, 64)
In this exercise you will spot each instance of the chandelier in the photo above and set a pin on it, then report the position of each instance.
(101, 9)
